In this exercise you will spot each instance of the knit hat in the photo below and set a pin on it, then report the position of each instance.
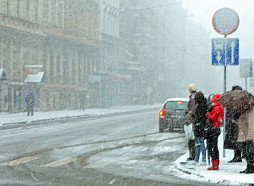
(193, 87)
(236, 87)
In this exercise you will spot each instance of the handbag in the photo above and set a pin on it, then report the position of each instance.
(189, 132)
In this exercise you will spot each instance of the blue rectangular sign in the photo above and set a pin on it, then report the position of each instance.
(218, 51)
(225, 51)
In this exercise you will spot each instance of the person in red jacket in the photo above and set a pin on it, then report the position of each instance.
(215, 116)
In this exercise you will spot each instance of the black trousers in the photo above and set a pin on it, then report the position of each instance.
(30, 110)
(192, 148)
(212, 144)
(238, 153)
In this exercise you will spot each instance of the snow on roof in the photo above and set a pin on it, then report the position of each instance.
(178, 99)
(34, 78)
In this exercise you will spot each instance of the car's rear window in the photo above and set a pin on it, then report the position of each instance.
(176, 105)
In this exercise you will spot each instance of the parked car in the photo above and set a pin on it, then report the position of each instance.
(172, 115)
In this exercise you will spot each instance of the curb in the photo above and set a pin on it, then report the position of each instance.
(210, 180)
(188, 172)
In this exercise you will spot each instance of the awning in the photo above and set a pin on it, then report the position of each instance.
(2, 74)
(34, 78)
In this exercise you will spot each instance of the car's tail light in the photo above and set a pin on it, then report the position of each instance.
(162, 113)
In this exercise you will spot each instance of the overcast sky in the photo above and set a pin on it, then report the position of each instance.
(203, 11)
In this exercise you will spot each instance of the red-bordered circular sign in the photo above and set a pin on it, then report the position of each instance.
(225, 21)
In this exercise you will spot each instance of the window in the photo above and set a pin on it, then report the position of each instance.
(33, 11)
(61, 15)
(58, 66)
(22, 10)
(3, 6)
(13, 8)
(28, 13)
(18, 9)
(37, 11)
(8, 8)
(176, 105)
(55, 13)
(70, 20)
(48, 10)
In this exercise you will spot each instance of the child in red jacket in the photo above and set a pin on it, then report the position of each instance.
(215, 117)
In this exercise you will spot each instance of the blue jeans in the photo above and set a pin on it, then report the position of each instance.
(200, 147)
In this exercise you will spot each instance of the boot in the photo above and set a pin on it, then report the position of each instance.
(237, 156)
(249, 169)
(249, 157)
(235, 159)
(215, 165)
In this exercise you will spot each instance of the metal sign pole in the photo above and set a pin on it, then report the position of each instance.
(225, 25)
(224, 90)
(246, 83)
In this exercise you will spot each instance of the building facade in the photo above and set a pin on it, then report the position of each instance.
(109, 79)
(56, 37)
(71, 53)
(106, 52)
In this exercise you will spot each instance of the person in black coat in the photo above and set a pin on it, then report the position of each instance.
(30, 100)
(200, 120)
(231, 131)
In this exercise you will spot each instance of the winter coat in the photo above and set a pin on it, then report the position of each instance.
(30, 100)
(246, 126)
(191, 107)
(231, 129)
(215, 116)
(200, 119)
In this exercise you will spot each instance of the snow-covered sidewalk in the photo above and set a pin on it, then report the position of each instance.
(227, 174)
(16, 118)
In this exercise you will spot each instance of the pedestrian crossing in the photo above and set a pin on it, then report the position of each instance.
(59, 163)
(96, 165)
(19, 161)
(52, 164)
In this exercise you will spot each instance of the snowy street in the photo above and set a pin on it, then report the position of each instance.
(118, 149)
(126, 92)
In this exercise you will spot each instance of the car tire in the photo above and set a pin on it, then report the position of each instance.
(170, 129)
(161, 128)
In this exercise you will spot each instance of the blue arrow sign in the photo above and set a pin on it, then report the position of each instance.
(225, 51)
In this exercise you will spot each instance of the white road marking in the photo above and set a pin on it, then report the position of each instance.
(96, 165)
(19, 161)
(59, 162)
(112, 182)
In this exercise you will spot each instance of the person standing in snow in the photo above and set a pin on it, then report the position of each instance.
(30, 100)
(231, 131)
(215, 117)
(199, 125)
(246, 136)
(82, 102)
(191, 110)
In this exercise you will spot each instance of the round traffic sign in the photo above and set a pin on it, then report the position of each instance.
(225, 21)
